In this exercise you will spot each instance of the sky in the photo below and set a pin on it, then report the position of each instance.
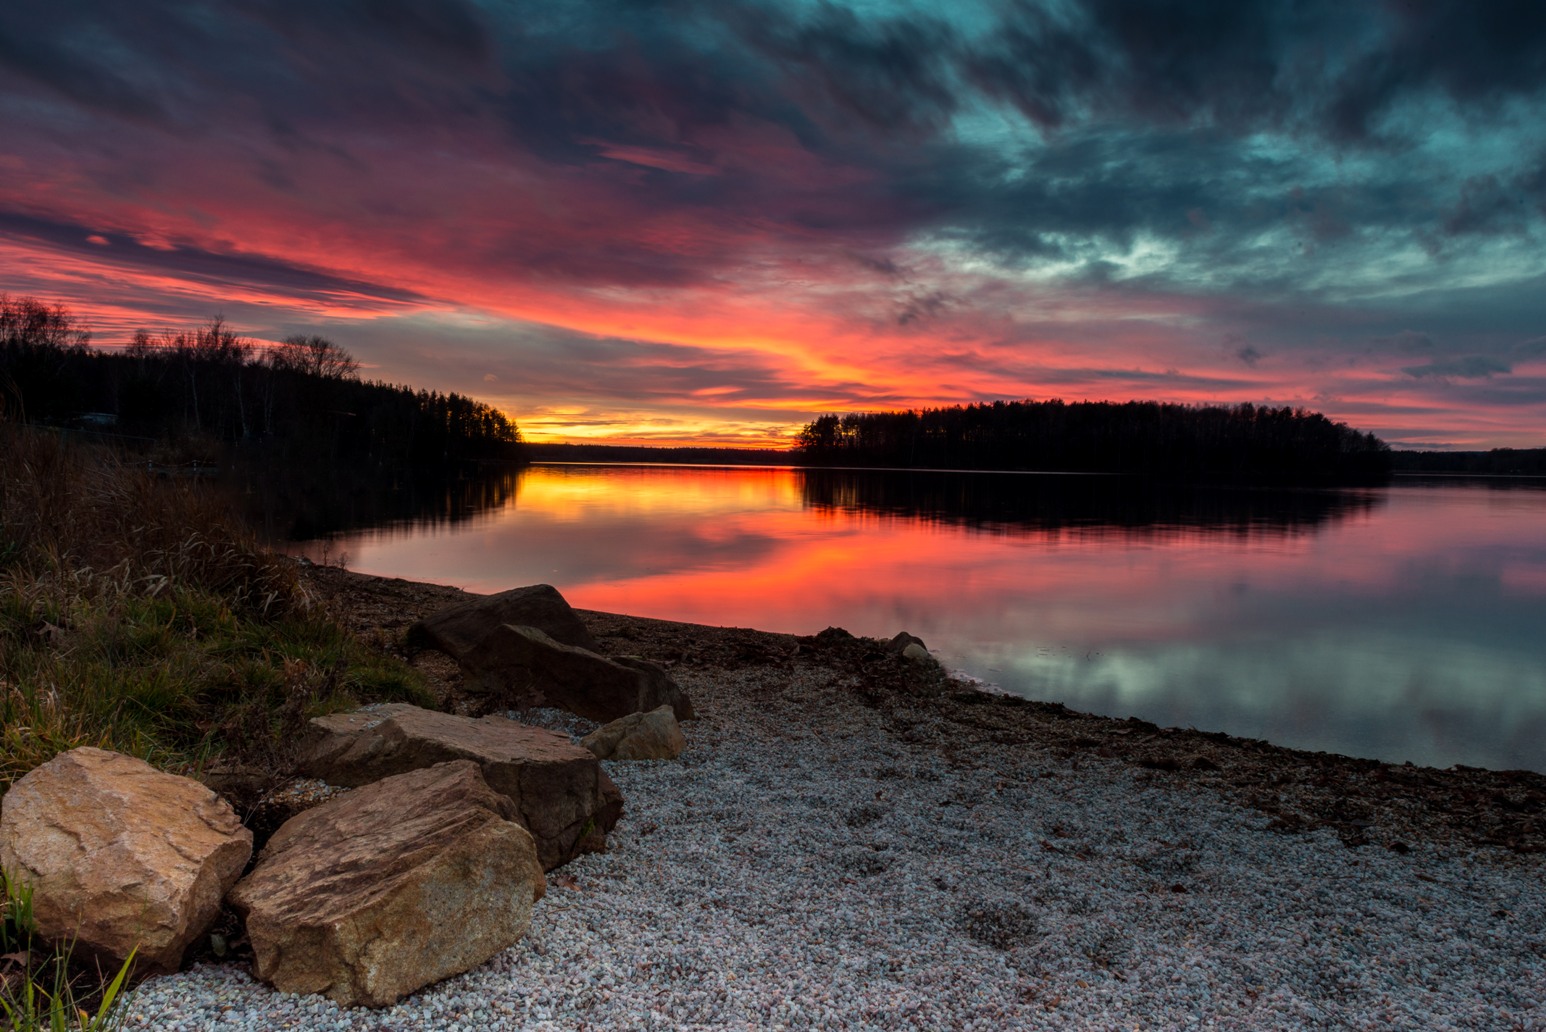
(709, 221)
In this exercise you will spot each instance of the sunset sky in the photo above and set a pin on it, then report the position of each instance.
(678, 221)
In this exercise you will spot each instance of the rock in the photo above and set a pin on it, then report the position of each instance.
(899, 644)
(639, 736)
(917, 653)
(559, 791)
(381, 891)
(458, 629)
(517, 666)
(121, 855)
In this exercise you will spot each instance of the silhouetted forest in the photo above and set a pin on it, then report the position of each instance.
(1499, 462)
(1238, 442)
(300, 401)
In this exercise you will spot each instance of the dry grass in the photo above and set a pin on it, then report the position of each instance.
(138, 614)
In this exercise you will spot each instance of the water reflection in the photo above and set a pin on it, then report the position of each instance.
(1400, 623)
(1017, 503)
(298, 505)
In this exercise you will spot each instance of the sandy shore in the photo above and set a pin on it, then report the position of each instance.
(851, 841)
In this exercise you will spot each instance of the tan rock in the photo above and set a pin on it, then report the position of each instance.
(655, 735)
(559, 791)
(381, 891)
(121, 855)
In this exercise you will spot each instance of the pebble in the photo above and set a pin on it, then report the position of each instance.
(809, 871)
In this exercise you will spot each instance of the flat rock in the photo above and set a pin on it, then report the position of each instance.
(558, 790)
(382, 891)
(655, 735)
(121, 855)
(458, 629)
(518, 666)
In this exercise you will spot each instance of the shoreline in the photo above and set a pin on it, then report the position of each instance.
(1364, 801)
(851, 841)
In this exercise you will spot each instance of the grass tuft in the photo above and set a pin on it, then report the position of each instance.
(44, 988)
(139, 615)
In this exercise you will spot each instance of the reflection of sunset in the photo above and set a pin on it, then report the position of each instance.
(740, 546)
(565, 493)
(1362, 604)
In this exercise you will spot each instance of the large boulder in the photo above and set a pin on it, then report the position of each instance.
(518, 666)
(460, 628)
(121, 856)
(383, 890)
(558, 790)
(639, 736)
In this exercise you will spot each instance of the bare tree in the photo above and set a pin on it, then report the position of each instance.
(314, 355)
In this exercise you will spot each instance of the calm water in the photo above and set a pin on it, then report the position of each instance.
(1406, 623)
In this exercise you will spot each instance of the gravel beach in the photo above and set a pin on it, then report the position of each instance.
(852, 842)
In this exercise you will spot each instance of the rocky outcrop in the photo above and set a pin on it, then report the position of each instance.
(639, 736)
(558, 790)
(121, 856)
(458, 629)
(386, 889)
(517, 666)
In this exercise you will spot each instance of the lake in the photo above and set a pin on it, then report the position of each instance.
(1404, 623)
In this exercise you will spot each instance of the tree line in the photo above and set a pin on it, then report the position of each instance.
(1236, 442)
(302, 399)
(1499, 462)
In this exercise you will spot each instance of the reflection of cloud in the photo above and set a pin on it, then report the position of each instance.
(1297, 693)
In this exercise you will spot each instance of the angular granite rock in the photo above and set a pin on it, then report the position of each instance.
(458, 629)
(121, 855)
(518, 666)
(559, 791)
(386, 889)
(639, 736)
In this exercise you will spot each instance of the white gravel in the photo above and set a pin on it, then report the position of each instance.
(806, 870)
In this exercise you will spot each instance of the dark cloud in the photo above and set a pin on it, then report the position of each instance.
(448, 30)
(1408, 342)
(293, 281)
(892, 74)
(1470, 367)
(1470, 53)
(1249, 355)
(923, 306)
(1485, 206)
(28, 50)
